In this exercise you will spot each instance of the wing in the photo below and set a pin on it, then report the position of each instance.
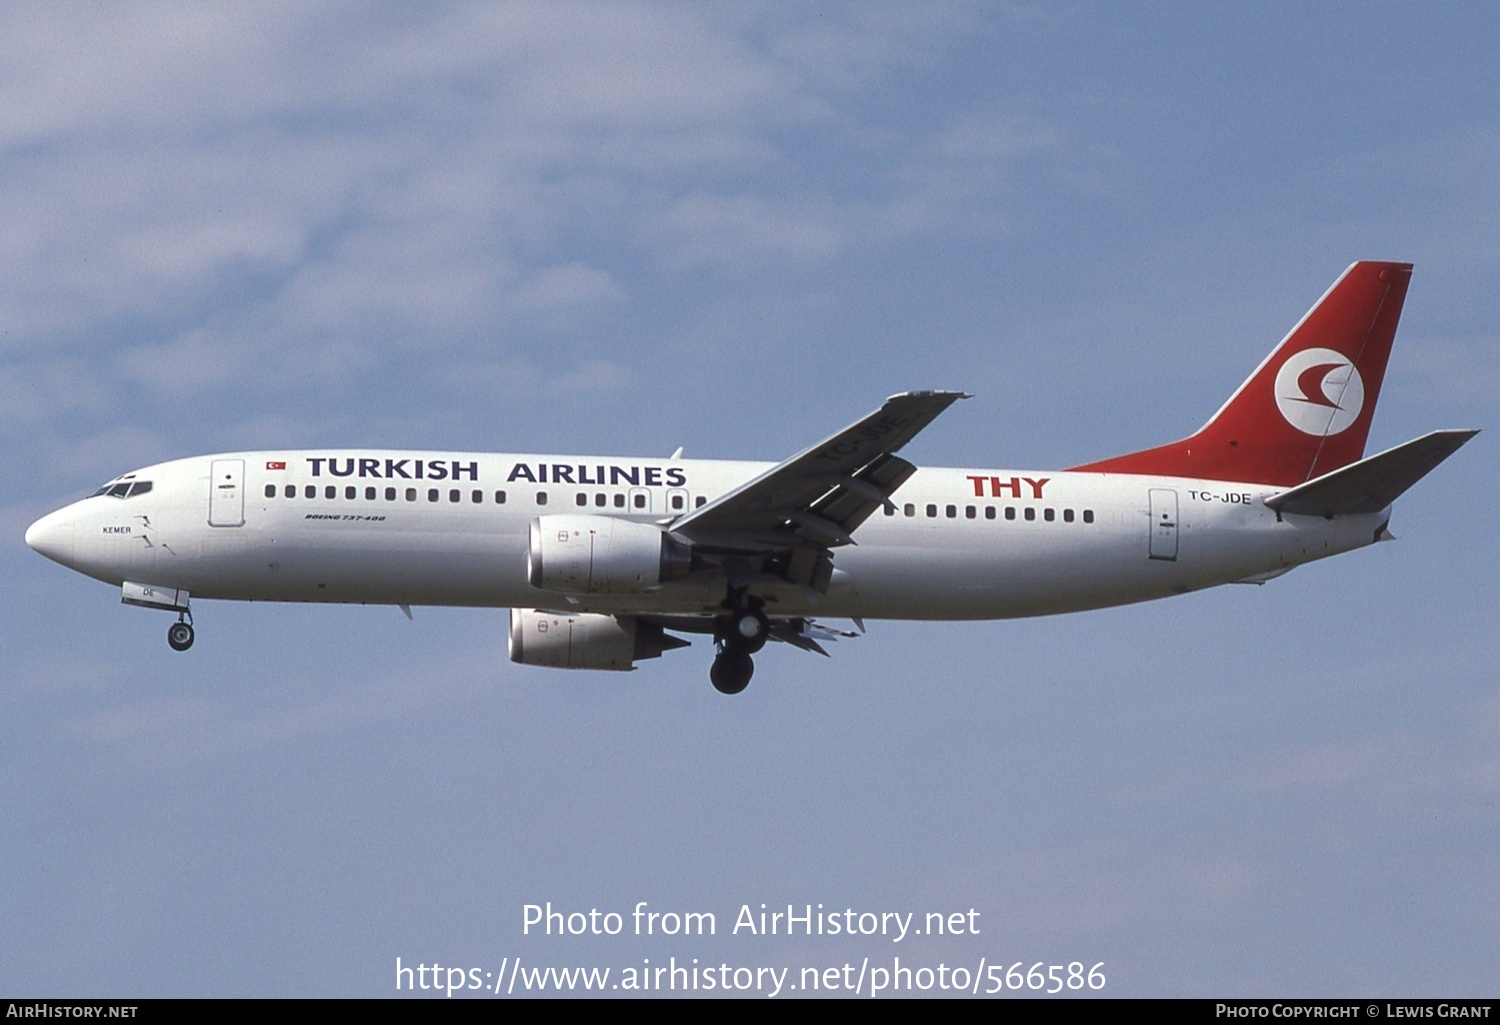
(817, 498)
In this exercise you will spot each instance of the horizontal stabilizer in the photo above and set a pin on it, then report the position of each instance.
(1371, 484)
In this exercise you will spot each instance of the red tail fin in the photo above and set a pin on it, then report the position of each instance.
(1306, 410)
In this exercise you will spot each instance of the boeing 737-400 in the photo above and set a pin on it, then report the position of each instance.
(604, 561)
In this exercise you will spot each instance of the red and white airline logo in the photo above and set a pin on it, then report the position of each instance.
(1319, 392)
(276, 464)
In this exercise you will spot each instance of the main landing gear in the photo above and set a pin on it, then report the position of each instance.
(731, 671)
(180, 633)
(739, 635)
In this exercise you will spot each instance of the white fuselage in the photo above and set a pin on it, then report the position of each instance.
(442, 528)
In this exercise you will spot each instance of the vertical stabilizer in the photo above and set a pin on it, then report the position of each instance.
(1306, 410)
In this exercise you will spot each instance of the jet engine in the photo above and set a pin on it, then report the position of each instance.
(602, 555)
(585, 640)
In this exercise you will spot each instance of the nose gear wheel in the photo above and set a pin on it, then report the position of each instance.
(180, 636)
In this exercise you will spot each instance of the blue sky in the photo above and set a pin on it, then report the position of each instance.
(624, 228)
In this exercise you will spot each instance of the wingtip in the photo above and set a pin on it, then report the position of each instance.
(931, 393)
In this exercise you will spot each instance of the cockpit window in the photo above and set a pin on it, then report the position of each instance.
(123, 489)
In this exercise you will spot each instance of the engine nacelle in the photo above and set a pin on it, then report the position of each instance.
(602, 555)
(584, 640)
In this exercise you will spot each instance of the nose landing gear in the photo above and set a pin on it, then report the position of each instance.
(180, 634)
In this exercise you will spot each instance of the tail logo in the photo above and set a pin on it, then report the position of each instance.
(1319, 391)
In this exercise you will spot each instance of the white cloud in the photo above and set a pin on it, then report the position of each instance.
(590, 377)
(869, 40)
(41, 389)
(564, 287)
(571, 376)
(292, 201)
(740, 230)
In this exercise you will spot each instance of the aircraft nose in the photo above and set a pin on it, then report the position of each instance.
(52, 536)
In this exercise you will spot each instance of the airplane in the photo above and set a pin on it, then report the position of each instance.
(605, 561)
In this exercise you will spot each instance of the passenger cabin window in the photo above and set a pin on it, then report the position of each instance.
(541, 498)
(411, 494)
(700, 502)
(390, 494)
(1088, 516)
(619, 501)
(1049, 514)
(454, 495)
(499, 498)
(640, 501)
(330, 492)
(600, 499)
(676, 501)
(350, 492)
(310, 491)
(432, 494)
(1067, 515)
(909, 509)
(1031, 512)
(583, 499)
(989, 512)
(931, 512)
(291, 491)
(270, 490)
(370, 493)
(477, 498)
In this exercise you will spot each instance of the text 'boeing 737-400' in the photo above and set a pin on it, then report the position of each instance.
(605, 561)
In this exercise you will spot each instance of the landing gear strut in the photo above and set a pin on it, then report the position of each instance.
(180, 634)
(740, 634)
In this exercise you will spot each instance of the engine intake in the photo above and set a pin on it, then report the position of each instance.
(602, 555)
(585, 640)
